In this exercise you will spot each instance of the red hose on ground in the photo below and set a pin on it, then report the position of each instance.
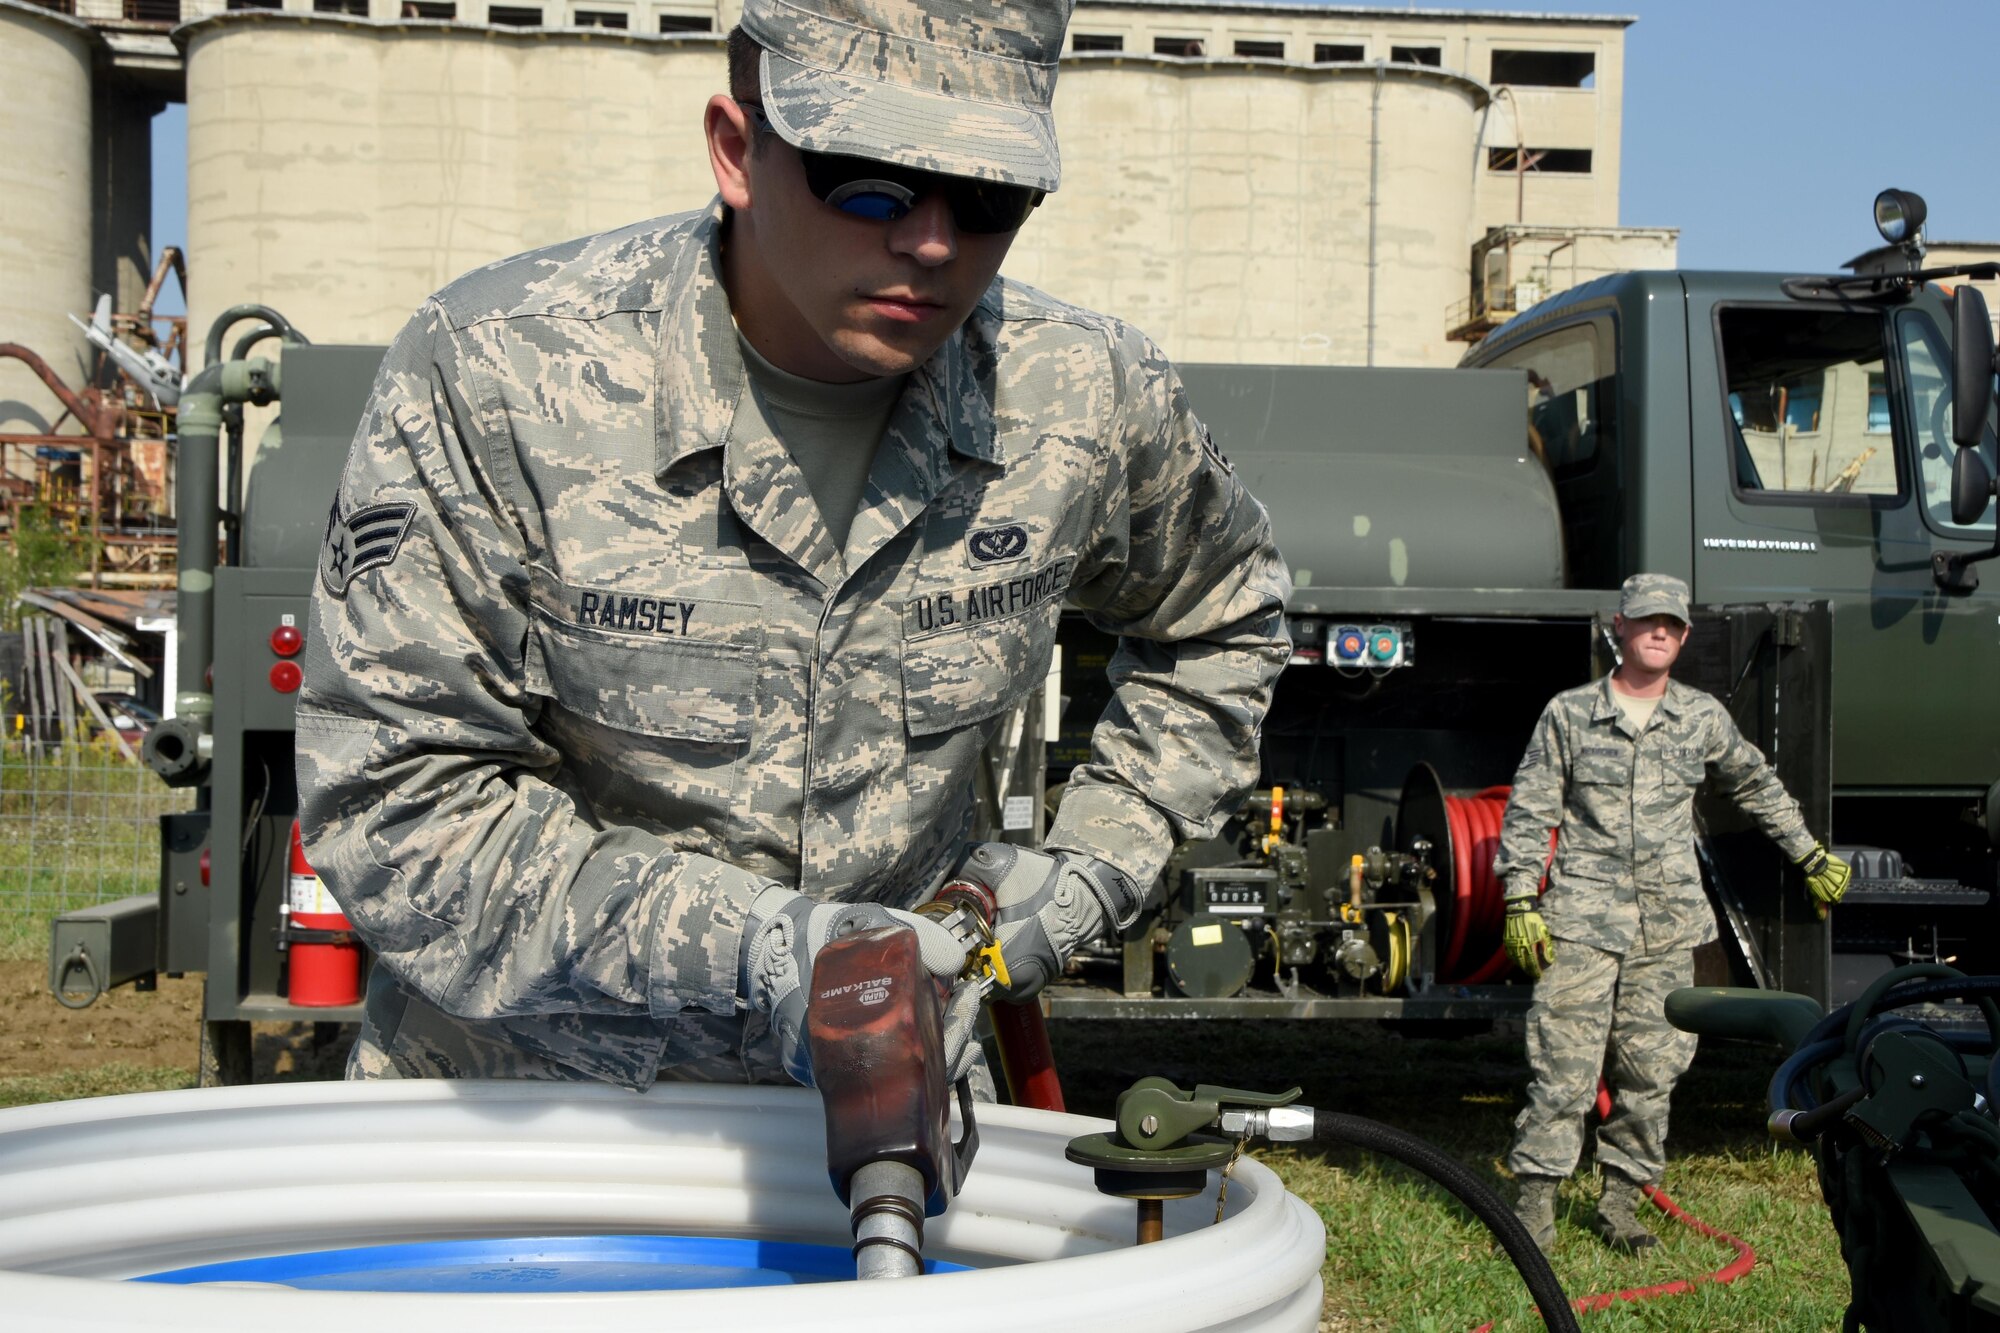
(1745, 1260)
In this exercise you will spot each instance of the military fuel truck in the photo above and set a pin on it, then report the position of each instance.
(1456, 537)
(1814, 455)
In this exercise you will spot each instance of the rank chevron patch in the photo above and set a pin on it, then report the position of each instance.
(363, 540)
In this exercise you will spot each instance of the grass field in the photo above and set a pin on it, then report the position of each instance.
(1401, 1255)
(103, 1081)
(78, 826)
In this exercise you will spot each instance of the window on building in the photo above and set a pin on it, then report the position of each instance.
(356, 8)
(513, 16)
(442, 11)
(253, 4)
(63, 6)
(1332, 53)
(1545, 69)
(1799, 396)
(1554, 161)
(1179, 46)
(602, 18)
(1096, 41)
(1261, 50)
(1417, 55)
(686, 23)
(1878, 404)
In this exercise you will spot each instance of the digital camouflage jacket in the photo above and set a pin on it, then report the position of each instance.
(1625, 877)
(584, 672)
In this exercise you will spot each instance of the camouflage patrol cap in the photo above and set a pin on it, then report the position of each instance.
(1653, 595)
(955, 86)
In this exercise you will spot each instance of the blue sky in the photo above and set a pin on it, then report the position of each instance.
(1763, 129)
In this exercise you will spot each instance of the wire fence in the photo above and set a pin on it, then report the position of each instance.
(79, 824)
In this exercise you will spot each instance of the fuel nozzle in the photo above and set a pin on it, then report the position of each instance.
(1163, 1147)
(967, 910)
(875, 1024)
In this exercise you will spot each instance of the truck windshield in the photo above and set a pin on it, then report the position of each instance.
(1927, 374)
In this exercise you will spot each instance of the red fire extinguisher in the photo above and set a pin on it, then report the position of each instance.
(325, 956)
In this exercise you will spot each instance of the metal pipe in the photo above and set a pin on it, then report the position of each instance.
(195, 505)
(170, 258)
(888, 1220)
(86, 416)
(232, 419)
(1152, 1221)
(212, 350)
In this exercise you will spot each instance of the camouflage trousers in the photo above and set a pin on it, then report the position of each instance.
(402, 1036)
(1601, 1012)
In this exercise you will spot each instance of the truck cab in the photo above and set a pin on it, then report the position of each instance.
(1776, 439)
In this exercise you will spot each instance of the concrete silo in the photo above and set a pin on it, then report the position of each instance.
(341, 171)
(45, 204)
(1256, 211)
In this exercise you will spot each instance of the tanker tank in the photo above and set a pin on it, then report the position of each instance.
(1389, 478)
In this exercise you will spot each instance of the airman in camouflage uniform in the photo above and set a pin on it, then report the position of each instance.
(591, 691)
(1618, 778)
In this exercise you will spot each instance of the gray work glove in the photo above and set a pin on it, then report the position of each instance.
(786, 929)
(1045, 905)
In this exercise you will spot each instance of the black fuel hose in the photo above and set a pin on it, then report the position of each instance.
(1374, 1136)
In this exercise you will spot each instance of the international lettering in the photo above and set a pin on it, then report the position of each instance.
(641, 615)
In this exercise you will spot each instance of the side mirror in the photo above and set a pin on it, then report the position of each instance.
(1972, 373)
(1971, 487)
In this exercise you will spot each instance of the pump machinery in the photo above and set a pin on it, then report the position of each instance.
(1813, 454)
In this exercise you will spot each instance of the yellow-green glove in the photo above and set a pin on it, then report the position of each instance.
(1526, 938)
(1826, 876)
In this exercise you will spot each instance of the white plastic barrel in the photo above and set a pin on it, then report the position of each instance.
(95, 1193)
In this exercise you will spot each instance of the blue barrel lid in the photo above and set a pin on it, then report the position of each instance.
(543, 1263)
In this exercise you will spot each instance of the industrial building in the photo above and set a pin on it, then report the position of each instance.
(1276, 182)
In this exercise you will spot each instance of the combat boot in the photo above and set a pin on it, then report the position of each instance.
(1617, 1220)
(1536, 1207)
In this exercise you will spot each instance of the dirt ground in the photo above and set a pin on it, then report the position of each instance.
(160, 1028)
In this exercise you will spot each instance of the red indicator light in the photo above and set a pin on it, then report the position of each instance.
(285, 677)
(286, 640)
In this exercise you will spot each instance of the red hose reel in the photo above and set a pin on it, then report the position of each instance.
(1464, 832)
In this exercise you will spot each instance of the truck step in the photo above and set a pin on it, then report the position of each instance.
(1906, 892)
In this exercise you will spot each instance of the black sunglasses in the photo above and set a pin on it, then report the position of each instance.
(882, 191)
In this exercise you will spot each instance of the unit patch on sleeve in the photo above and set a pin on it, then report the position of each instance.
(365, 539)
